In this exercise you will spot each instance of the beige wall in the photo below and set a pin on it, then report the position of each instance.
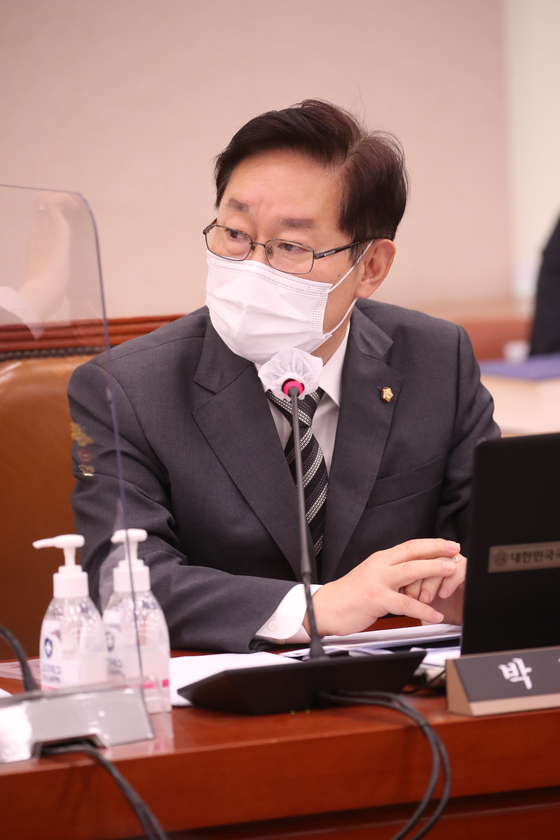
(128, 101)
(533, 72)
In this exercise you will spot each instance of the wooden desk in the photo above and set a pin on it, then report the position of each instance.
(348, 773)
(525, 407)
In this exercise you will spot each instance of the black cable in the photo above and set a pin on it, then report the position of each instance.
(399, 704)
(147, 820)
(392, 701)
(413, 820)
(433, 683)
(29, 682)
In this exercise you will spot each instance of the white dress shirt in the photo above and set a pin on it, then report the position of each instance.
(285, 624)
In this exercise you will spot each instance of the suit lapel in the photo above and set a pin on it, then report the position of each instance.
(237, 424)
(363, 426)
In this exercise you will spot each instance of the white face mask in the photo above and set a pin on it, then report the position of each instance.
(258, 311)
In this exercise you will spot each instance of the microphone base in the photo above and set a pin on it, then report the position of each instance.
(297, 686)
(106, 714)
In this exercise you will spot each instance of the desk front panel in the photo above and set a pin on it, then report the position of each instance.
(285, 774)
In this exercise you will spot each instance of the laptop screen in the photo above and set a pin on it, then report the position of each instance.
(512, 590)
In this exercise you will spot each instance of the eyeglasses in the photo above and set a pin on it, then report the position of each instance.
(286, 256)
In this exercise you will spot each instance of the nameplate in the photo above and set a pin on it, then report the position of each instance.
(527, 557)
(508, 681)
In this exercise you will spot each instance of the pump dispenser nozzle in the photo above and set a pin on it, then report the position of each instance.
(130, 537)
(70, 581)
(140, 573)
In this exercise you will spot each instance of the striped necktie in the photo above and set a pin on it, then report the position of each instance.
(314, 469)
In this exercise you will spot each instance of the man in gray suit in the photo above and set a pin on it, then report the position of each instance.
(308, 203)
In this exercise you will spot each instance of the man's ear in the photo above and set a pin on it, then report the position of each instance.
(377, 261)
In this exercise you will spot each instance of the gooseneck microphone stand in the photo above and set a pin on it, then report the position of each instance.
(293, 390)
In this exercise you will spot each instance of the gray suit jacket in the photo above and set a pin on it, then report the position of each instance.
(206, 476)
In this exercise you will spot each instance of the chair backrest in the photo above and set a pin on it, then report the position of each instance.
(36, 481)
(35, 458)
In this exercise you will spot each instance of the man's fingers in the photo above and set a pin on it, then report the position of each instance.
(407, 573)
(429, 589)
(450, 584)
(401, 604)
(413, 589)
(421, 550)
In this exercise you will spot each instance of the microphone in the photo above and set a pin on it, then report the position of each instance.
(296, 686)
(293, 383)
(294, 389)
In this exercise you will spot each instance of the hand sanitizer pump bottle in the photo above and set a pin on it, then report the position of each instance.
(72, 647)
(121, 627)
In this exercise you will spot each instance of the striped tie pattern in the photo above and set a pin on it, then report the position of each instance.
(314, 469)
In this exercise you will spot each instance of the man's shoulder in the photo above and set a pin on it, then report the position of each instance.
(398, 322)
(173, 339)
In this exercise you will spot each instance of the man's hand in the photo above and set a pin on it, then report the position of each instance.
(378, 586)
(444, 594)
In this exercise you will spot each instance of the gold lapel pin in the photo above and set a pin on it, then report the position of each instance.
(386, 395)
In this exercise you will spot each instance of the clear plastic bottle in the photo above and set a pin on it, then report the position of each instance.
(123, 660)
(72, 646)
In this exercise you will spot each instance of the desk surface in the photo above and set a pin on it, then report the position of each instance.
(344, 771)
(525, 407)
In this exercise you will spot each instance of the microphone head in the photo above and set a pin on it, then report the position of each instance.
(292, 383)
(289, 368)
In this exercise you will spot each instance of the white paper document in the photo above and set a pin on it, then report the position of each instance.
(12, 670)
(437, 657)
(374, 640)
(400, 635)
(185, 670)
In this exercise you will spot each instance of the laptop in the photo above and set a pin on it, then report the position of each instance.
(512, 590)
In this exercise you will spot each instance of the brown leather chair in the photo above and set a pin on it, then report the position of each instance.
(36, 481)
(35, 463)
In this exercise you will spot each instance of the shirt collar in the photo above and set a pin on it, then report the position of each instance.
(331, 375)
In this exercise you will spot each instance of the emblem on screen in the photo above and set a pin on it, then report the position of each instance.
(519, 558)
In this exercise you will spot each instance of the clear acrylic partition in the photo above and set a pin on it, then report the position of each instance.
(51, 299)
(49, 263)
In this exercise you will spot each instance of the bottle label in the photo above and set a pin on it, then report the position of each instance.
(122, 654)
(123, 662)
(56, 671)
(63, 665)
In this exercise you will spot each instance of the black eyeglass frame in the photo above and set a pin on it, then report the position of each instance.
(252, 243)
